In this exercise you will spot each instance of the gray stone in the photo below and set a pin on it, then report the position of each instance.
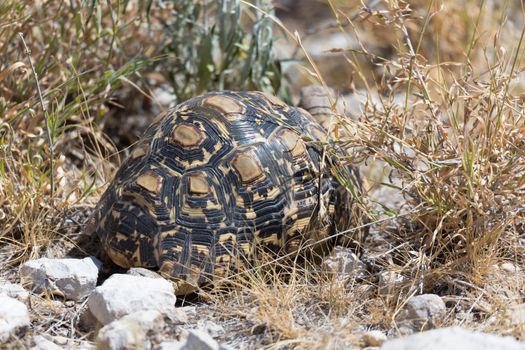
(510, 267)
(14, 317)
(122, 295)
(374, 338)
(390, 283)
(14, 291)
(73, 279)
(342, 262)
(179, 316)
(130, 332)
(421, 312)
(453, 338)
(42, 343)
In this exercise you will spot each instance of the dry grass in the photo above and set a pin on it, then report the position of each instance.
(442, 118)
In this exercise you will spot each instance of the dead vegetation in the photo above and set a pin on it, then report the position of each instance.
(441, 126)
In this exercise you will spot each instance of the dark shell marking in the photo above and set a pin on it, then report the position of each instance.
(213, 179)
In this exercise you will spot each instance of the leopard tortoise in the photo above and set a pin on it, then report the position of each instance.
(218, 177)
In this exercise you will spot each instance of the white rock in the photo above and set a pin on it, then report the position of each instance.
(42, 343)
(510, 267)
(374, 338)
(130, 332)
(343, 262)
(421, 312)
(453, 338)
(122, 295)
(71, 278)
(14, 291)
(14, 317)
(179, 316)
(390, 283)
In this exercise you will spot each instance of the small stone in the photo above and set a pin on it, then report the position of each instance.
(509, 267)
(14, 318)
(453, 338)
(73, 279)
(14, 291)
(42, 343)
(390, 283)
(122, 295)
(130, 332)
(140, 271)
(374, 338)
(343, 262)
(178, 316)
(421, 312)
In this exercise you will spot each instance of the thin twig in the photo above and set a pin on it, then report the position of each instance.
(46, 119)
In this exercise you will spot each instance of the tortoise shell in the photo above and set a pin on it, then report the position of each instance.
(215, 179)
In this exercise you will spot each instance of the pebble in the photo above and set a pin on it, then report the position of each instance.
(179, 316)
(71, 278)
(14, 318)
(390, 283)
(130, 332)
(510, 267)
(42, 343)
(421, 312)
(121, 295)
(343, 262)
(14, 291)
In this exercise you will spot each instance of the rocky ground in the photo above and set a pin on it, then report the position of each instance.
(58, 304)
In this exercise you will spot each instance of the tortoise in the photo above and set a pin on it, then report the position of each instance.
(215, 179)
